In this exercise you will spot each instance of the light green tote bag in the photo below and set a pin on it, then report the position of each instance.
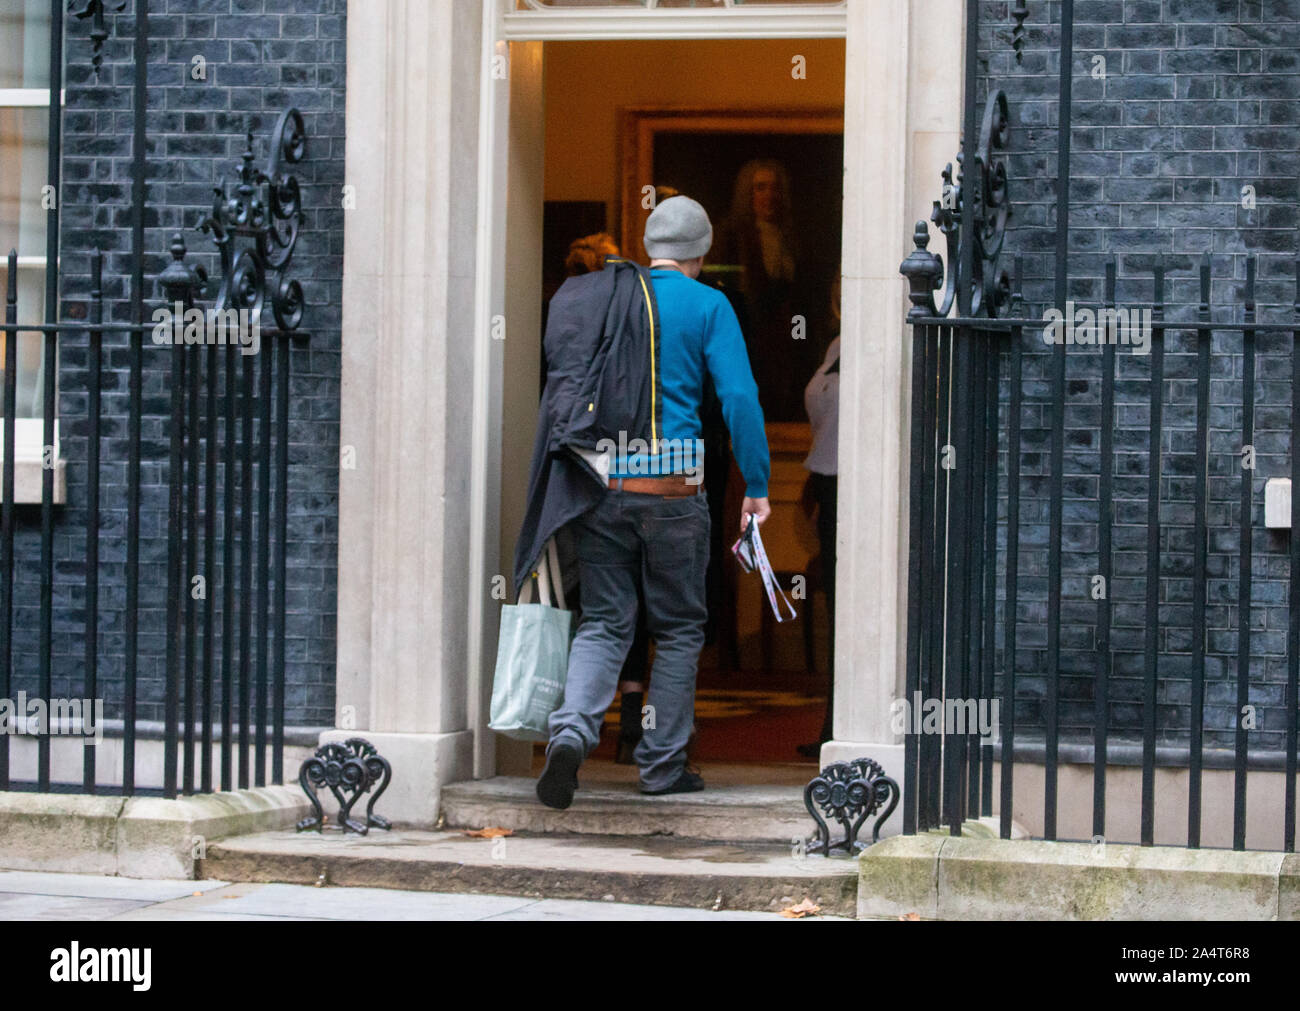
(532, 655)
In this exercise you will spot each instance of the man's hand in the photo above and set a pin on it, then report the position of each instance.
(760, 508)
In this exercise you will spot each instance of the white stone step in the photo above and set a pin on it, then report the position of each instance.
(750, 813)
(650, 871)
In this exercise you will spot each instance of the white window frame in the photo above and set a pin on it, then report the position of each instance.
(544, 23)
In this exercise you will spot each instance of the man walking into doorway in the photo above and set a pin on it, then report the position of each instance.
(652, 533)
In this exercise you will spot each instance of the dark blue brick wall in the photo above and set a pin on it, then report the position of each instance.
(262, 57)
(1200, 98)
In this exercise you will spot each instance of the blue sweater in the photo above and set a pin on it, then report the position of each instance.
(698, 330)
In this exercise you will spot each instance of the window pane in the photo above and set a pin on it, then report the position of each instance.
(31, 309)
(24, 153)
(24, 43)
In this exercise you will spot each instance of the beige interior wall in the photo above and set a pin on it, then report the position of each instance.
(523, 292)
(523, 317)
(587, 83)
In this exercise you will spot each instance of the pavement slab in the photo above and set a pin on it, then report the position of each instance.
(28, 906)
(95, 886)
(44, 899)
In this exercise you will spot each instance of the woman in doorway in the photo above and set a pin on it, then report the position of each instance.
(822, 401)
(587, 254)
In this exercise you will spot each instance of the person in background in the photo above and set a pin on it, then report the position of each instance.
(588, 254)
(822, 401)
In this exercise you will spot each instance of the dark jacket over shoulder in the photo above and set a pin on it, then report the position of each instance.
(601, 380)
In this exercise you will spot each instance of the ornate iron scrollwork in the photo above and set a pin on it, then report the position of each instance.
(991, 208)
(95, 10)
(849, 792)
(270, 221)
(348, 770)
(1018, 32)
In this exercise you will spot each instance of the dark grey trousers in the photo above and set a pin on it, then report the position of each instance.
(662, 544)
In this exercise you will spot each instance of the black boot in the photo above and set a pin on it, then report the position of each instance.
(814, 751)
(629, 727)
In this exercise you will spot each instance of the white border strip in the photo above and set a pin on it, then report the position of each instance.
(485, 435)
(761, 22)
(25, 98)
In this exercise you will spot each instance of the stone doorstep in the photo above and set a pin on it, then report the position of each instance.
(135, 837)
(948, 878)
(649, 871)
(740, 813)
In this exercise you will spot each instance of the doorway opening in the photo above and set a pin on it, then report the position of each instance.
(753, 129)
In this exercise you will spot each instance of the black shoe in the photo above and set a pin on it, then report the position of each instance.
(626, 749)
(687, 782)
(560, 777)
(629, 728)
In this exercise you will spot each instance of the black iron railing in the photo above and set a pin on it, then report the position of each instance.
(228, 437)
(958, 536)
(221, 449)
(983, 628)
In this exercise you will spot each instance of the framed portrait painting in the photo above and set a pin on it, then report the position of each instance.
(772, 182)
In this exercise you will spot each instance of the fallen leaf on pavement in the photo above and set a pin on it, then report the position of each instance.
(492, 832)
(910, 916)
(805, 908)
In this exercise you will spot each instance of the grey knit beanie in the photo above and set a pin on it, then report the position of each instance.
(678, 229)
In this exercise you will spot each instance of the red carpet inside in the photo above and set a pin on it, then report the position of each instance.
(743, 725)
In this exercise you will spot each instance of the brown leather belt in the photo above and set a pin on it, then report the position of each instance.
(671, 487)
